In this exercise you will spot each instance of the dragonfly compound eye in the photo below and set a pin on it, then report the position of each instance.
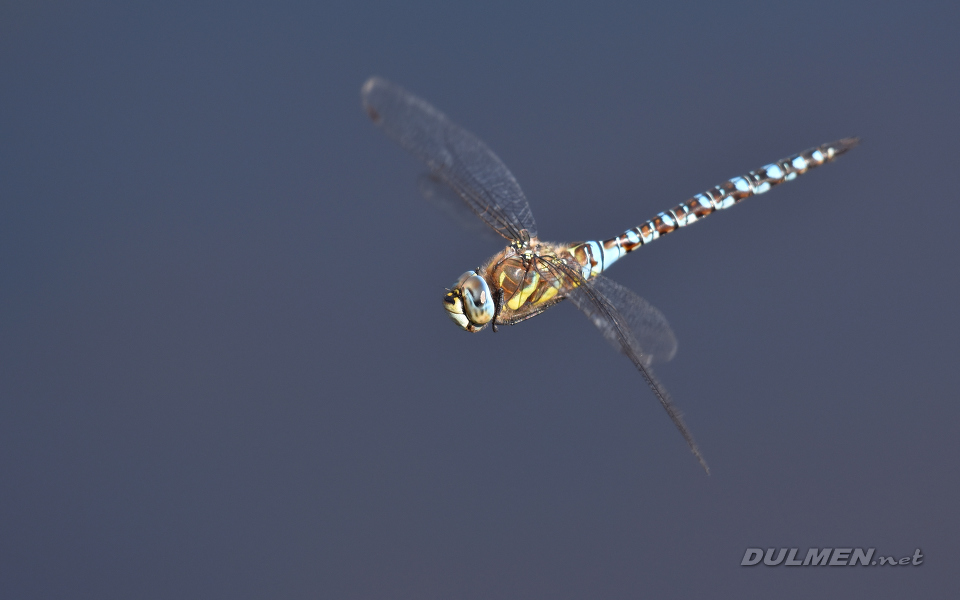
(470, 303)
(477, 300)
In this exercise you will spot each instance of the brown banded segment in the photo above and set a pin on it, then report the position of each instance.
(664, 224)
(629, 246)
(699, 209)
(581, 254)
(680, 213)
(759, 181)
(611, 244)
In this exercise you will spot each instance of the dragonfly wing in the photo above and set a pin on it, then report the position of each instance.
(649, 328)
(603, 312)
(455, 156)
(442, 197)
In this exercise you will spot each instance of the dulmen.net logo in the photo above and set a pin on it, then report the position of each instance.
(826, 557)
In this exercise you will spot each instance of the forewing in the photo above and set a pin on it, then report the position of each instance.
(603, 313)
(454, 156)
(651, 334)
(442, 197)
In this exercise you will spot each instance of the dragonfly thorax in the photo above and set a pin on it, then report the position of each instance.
(513, 285)
(470, 303)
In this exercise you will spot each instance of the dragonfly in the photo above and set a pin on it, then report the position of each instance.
(531, 275)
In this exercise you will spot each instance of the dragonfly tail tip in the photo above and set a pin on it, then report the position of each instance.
(845, 144)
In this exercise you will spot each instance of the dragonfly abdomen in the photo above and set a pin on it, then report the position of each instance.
(722, 196)
(596, 257)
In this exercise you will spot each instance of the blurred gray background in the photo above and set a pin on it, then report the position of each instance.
(225, 371)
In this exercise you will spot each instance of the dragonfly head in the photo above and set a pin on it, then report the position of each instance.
(470, 303)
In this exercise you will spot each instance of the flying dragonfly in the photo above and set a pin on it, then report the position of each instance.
(530, 275)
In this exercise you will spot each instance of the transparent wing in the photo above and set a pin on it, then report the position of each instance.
(604, 313)
(442, 197)
(651, 332)
(454, 156)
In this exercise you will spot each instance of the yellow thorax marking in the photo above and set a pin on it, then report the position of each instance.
(550, 293)
(521, 296)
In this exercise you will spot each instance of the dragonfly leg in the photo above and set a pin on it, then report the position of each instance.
(533, 313)
(497, 306)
